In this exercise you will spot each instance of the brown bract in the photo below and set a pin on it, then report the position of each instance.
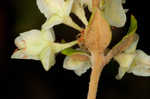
(97, 37)
(98, 34)
(80, 57)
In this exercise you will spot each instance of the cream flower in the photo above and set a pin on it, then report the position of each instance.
(39, 45)
(112, 9)
(114, 12)
(78, 10)
(78, 62)
(56, 12)
(141, 64)
(133, 61)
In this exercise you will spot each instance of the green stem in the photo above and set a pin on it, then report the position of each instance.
(59, 47)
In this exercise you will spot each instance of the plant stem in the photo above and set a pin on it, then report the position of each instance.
(95, 3)
(59, 47)
(98, 65)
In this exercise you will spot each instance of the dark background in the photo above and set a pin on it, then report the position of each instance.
(26, 79)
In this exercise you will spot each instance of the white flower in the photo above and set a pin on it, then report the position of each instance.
(78, 10)
(56, 12)
(125, 61)
(112, 9)
(78, 62)
(39, 45)
(133, 61)
(114, 12)
(141, 64)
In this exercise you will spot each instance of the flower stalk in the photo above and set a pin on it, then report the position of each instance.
(98, 65)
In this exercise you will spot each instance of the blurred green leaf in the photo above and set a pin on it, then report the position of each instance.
(133, 25)
(70, 51)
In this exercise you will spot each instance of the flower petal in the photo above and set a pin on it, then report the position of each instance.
(142, 58)
(82, 70)
(55, 11)
(52, 21)
(18, 54)
(21, 55)
(34, 41)
(79, 62)
(125, 61)
(140, 70)
(20, 42)
(68, 6)
(78, 10)
(114, 13)
(121, 72)
(141, 64)
(42, 7)
(47, 58)
(49, 34)
(50, 7)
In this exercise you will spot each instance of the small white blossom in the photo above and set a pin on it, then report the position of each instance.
(114, 12)
(78, 10)
(133, 61)
(78, 62)
(39, 45)
(112, 9)
(56, 12)
(141, 64)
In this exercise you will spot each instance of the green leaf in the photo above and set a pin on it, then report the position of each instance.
(133, 25)
(70, 51)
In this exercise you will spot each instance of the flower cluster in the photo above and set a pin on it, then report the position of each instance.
(40, 44)
(133, 61)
